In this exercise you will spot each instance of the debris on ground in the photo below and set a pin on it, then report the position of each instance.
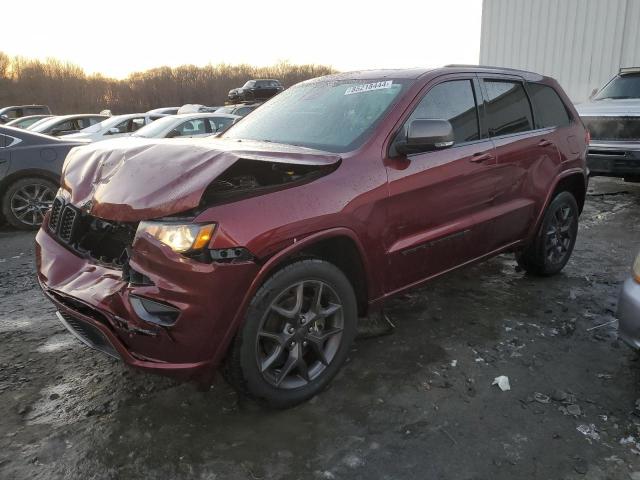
(503, 383)
(589, 431)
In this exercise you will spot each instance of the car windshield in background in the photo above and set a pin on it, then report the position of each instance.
(624, 86)
(155, 128)
(335, 116)
(108, 123)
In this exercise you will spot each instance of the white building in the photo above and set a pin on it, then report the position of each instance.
(582, 43)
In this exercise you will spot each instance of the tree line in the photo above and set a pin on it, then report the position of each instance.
(66, 88)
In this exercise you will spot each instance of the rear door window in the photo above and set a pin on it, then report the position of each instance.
(218, 124)
(548, 108)
(453, 101)
(136, 124)
(192, 127)
(33, 110)
(507, 107)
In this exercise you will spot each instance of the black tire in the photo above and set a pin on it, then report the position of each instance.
(553, 244)
(14, 209)
(242, 368)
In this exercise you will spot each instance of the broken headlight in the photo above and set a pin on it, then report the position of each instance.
(181, 238)
(636, 269)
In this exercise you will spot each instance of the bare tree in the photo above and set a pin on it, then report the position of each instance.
(66, 88)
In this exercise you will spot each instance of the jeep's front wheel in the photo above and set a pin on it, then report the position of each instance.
(553, 244)
(297, 333)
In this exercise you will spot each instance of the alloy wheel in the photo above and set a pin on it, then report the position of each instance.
(300, 334)
(31, 202)
(559, 234)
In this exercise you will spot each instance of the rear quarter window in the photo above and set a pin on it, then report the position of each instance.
(548, 108)
(507, 107)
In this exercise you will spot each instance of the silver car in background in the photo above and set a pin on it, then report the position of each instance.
(188, 125)
(629, 308)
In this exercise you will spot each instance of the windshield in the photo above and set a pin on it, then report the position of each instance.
(154, 129)
(624, 86)
(335, 116)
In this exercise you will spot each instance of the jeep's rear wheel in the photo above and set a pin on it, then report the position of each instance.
(553, 244)
(296, 335)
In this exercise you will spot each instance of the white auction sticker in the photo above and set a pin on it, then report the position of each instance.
(367, 87)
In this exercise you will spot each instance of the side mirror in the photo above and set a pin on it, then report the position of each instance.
(593, 93)
(173, 133)
(113, 131)
(56, 132)
(425, 136)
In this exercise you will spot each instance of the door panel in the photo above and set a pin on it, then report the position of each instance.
(437, 199)
(433, 209)
(522, 162)
(524, 156)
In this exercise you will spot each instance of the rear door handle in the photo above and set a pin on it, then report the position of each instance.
(481, 157)
(545, 143)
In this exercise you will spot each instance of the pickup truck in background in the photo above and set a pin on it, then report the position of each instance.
(612, 116)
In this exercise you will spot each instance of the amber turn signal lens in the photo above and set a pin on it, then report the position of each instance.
(203, 237)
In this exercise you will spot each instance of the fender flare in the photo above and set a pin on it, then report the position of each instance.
(548, 197)
(271, 265)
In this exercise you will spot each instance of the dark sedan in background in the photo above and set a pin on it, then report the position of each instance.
(262, 89)
(30, 167)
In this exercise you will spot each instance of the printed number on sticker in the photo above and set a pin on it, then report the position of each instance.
(367, 87)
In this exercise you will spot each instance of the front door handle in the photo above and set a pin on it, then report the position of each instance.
(481, 157)
(545, 143)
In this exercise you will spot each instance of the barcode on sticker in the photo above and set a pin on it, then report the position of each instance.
(367, 87)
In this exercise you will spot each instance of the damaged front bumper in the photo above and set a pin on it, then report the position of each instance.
(629, 313)
(111, 310)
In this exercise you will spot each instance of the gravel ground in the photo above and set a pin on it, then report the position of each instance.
(416, 404)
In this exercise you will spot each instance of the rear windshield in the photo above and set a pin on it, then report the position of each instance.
(335, 116)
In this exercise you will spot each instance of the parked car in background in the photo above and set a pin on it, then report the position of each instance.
(241, 109)
(165, 110)
(262, 89)
(307, 214)
(11, 113)
(187, 125)
(30, 166)
(117, 126)
(196, 108)
(26, 122)
(65, 124)
(613, 119)
(629, 308)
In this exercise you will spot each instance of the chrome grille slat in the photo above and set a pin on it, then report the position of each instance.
(54, 216)
(67, 222)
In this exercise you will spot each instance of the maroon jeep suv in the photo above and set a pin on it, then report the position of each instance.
(260, 249)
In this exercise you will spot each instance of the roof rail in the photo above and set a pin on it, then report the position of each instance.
(626, 70)
(488, 67)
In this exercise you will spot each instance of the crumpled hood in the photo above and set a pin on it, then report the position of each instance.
(131, 179)
(624, 107)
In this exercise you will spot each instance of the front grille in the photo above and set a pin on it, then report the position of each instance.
(88, 334)
(54, 216)
(613, 128)
(104, 241)
(67, 222)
